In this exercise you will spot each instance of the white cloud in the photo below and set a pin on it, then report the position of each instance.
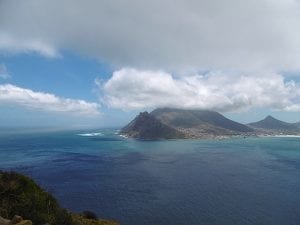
(10, 94)
(4, 74)
(173, 35)
(134, 89)
(293, 108)
(177, 36)
(11, 44)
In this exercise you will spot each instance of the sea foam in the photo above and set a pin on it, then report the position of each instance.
(288, 136)
(90, 134)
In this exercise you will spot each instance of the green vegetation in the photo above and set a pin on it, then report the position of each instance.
(20, 195)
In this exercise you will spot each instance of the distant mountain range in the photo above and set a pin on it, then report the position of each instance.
(169, 123)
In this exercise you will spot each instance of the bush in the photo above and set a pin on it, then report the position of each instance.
(80, 220)
(22, 196)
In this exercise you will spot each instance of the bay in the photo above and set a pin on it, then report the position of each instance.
(232, 181)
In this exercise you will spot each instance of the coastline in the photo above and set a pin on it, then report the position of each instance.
(221, 137)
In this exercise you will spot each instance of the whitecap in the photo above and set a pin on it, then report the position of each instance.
(90, 134)
(287, 136)
(123, 136)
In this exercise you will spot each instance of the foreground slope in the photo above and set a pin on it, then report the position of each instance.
(168, 123)
(20, 195)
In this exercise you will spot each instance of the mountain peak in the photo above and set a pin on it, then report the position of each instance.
(269, 117)
(144, 113)
(271, 123)
(146, 127)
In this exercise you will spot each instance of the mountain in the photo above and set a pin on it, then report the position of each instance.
(169, 123)
(146, 127)
(196, 118)
(272, 124)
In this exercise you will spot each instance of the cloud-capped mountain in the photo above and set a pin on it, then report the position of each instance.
(168, 123)
(171, 123)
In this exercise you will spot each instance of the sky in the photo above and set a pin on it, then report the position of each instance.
(97, 63)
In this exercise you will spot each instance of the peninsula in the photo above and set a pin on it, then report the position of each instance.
(170, 123)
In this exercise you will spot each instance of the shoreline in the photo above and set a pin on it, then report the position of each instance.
(222, 137)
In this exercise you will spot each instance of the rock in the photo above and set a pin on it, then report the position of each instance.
(24, 222)
(16, 219)
(89, 215)
(4, 221)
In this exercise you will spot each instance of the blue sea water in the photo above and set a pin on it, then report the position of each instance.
(182, 182)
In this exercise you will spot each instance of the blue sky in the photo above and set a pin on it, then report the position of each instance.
(73, 76)
(98, 63)
(68, 76)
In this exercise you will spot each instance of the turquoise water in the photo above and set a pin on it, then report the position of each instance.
(235, 181)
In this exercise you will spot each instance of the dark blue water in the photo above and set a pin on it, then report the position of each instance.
(237, 181)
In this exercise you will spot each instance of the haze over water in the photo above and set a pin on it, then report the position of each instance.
(234, 181)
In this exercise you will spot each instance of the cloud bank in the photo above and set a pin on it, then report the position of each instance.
(10, 94)
(258, 40)
(173, 35)
(134, 89)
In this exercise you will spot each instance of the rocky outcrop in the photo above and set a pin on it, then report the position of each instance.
(4, 221)
(16, 220)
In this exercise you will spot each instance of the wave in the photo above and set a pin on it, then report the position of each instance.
(282, 136)
(123, 136)
(90, 134)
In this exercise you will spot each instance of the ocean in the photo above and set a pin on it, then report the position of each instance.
(239, 181)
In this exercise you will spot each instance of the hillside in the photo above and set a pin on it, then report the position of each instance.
(194, 118)
(168, 123)
(146, 127)
(20, 195)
